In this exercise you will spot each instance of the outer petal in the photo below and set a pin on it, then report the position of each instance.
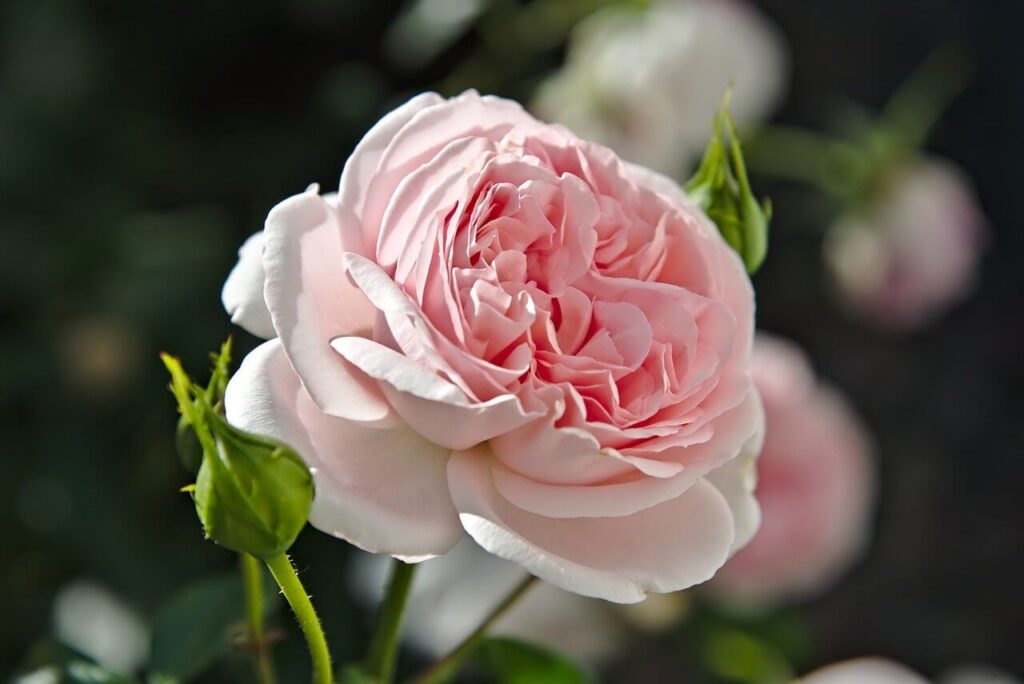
(737, 481)
(625, 496)
(242, 295)
(432, 406)
(362, 163)
(382, 490)
(311, 301)
(667, 547)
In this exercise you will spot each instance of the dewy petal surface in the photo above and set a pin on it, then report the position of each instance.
(384, 490)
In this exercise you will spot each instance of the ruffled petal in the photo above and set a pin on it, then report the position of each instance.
(432, 406)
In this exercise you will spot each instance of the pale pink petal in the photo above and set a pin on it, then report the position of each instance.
(242, 295)
(362, 163)
(384, 490)
(311, 301)
(668, 547)
(432, 406)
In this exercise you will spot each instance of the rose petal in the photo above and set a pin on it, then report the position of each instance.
(242, 295)
(433, 407)
(311, 301)
(668, 547)
(384, 490)
(362, 163)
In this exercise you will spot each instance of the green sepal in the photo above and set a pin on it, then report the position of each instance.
(721, 187)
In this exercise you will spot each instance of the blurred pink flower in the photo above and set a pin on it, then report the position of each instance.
(815, 482)
(913, 252)
(498, 328)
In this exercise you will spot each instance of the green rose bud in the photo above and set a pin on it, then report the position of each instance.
(252, 493)
(721, 188)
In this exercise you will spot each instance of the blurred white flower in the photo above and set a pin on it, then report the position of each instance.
(913, 251)
(92, 620)
(882, 671)
(648, 83)
(864, 671)
(452, 594)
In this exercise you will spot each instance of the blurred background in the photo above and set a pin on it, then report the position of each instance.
(140, 143)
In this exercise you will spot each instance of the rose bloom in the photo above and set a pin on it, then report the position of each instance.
(815, 484)
(912, 252)
(648, 83)
(499, 328)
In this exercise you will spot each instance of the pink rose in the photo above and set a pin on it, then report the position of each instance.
(815, 482)
(913, 252)
(498, 328)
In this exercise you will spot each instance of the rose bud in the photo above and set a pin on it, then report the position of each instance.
(252, 493)
(815, 484)
(498, 328)
(912, 251)
(721, 188)
(647, 83)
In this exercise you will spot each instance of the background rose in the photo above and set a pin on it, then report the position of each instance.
(815, 483)
(648, 83)
(913, 251)
(498, 327)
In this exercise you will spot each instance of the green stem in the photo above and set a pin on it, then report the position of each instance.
(832, 165)
(380, 660)
(444, 669)
(252, 578)
(284, 573)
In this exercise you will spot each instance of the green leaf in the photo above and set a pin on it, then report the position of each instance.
(195, 627)
(354, 674)
(510, 661)
(82, 672)
(721, 188)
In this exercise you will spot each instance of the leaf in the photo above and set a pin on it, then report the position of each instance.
(511, 661)
(194, 628)
(82, 672)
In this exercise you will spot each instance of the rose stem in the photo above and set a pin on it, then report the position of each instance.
(444, 669)
(252, 580)
(380, 660)
(284, 573)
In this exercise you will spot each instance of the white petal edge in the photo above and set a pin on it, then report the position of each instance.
(242, 294)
